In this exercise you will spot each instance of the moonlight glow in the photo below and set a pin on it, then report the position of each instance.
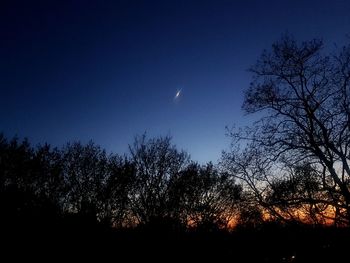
(177, 95)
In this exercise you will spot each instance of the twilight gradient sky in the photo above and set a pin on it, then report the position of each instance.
(109, 70)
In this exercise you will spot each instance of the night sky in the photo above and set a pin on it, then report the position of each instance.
(109, 70)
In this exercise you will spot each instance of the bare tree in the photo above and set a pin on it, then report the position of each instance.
(213, 197)
(85, 173)
(299, 196)
(302, 97)
(156, 163)
(119, 184)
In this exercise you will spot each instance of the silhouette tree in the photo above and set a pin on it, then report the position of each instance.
(208, 198)
(250, 215)
(48, 182)
(15, 162)
(29, 193)
(117, 191)
(156, 163)
(299, 195)
(50, 197)
(302, 97)
(85, 173)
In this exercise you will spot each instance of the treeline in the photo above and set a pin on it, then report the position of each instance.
(154, 185)
(153, 202)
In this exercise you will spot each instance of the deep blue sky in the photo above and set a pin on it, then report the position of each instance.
(108, 70)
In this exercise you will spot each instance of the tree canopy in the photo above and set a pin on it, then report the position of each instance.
(302, 134)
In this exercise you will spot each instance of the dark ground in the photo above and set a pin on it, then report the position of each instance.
(269, 243)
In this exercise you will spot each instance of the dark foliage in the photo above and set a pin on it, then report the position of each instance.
(79, 202)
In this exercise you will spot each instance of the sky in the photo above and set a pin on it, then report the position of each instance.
(109, 70)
